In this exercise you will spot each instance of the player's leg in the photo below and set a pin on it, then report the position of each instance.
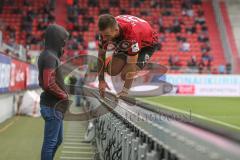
(143, 58)
(115, 64)
(145, 55)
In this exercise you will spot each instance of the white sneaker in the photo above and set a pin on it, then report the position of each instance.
(90, 133)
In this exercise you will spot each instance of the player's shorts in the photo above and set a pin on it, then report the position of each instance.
(143, 57)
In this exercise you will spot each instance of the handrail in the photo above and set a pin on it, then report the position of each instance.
(168, 135)
(20, 50)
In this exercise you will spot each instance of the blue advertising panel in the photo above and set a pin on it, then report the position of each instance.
(32, 75)
(5, 69)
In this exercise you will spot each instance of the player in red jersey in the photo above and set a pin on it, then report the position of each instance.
(134, 43)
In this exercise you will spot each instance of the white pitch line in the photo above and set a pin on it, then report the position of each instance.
(193, 114)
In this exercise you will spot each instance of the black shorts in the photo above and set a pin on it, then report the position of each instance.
(143, 57)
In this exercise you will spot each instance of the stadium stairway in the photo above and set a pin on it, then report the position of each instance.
(214, 35)
(230, 27)
(232, 8)
(74, 147)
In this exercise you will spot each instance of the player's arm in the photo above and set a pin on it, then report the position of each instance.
(129, 74)
(130, 70)
(101, 63)
(101, 69)
(101, 59)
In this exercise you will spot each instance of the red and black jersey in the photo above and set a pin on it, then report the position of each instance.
(135, 33)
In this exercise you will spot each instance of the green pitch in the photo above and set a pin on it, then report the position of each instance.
(221, 110)
(21, 138)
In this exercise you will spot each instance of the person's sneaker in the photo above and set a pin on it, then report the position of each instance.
(90, 133)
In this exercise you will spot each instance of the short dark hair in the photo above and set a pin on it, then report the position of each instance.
(106, 21)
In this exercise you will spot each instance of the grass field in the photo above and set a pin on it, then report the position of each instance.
(21, 138)
(221, 110)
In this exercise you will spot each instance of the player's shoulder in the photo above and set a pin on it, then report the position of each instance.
(123, 16)
(124, 22)
(129, 18)
(122, 19)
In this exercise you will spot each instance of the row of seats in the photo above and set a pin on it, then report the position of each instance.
(170, 46)
(15, 20)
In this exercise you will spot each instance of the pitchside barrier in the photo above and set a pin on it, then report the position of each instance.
(181, 85)
(17, 75)
(132, 130)
(16, 78)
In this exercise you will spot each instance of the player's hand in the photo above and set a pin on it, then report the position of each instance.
(102, 86)
(122, 94)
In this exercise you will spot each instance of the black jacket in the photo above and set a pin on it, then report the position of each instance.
(50, 74)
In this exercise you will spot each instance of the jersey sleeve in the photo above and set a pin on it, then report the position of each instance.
(135, 44)
(49, 80)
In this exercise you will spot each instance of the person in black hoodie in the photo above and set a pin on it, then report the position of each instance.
(54, 98)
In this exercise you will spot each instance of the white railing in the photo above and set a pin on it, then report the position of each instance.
(18, 50)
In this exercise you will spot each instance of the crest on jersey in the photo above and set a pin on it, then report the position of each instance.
(124, 45)
(135, 47)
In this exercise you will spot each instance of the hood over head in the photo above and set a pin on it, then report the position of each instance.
(55, 38)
